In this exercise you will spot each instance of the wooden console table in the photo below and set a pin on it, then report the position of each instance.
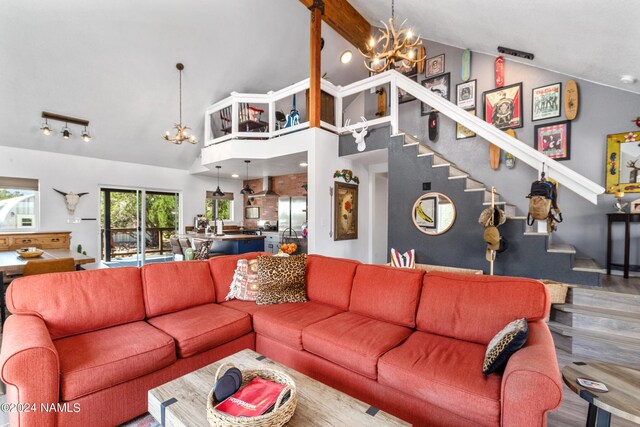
(627, 219)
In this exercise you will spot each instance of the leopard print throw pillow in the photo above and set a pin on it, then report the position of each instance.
(282, 279)
(504, 344)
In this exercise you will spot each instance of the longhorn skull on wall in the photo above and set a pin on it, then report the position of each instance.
(71, 199)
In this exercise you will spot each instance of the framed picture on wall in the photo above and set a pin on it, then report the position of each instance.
(466, 94)
(404, 96)
(252, 212)
(462, 132)
(440, 86)
(345, 218)
(546, 101)
(503, 106)
(435, 66)
(554, 140)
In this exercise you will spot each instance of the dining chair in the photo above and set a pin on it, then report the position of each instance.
(175, 246)
(184, 245)
(42, 266)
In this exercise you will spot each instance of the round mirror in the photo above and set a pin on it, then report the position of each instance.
(433, 213)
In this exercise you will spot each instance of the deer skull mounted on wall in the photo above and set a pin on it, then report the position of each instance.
(359, 136)
(71, 199)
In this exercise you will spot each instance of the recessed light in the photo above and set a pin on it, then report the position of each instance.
(235, 175)
(304, 164)
(627, 79)
(346, 56)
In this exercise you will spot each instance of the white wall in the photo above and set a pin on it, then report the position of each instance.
(323, 162)
(83, 174)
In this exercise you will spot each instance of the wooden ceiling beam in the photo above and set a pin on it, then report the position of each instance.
(346, 21)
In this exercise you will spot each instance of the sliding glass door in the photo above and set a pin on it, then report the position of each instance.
(136, 225)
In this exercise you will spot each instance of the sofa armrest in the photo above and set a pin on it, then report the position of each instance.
(29, 366)
(531, 384)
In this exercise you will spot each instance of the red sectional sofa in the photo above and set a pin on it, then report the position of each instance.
(409, 342)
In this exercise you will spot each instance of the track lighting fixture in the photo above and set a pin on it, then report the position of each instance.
(45, 128)
(65, 131)
(85, 135)
(247, 189)
(218, 192)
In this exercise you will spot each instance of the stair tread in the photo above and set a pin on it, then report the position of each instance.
(469, 190)
(587, 264)
(589, 290)
(516, 217)
(607, 337)
(599, 312)
(561, 248)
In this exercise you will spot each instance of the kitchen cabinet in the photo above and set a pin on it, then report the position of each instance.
(44, 240)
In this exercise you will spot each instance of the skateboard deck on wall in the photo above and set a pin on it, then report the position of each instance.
(422, 53)
(433, 125)
(499, 71)
(465, 73)
(571, 98)
(494, 156)
(509, 160)
(382, 102)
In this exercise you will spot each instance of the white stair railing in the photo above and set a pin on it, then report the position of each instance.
(554, 169)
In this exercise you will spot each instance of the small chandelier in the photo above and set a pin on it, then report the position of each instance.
(398, 49)
(246, 190)
(182, 133)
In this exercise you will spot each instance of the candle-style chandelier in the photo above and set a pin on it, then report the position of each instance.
(399, 49)
(182, 133)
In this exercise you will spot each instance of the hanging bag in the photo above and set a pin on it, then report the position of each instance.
(543, 203)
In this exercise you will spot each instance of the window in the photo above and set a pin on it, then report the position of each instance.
(18, 204)
(219, 207)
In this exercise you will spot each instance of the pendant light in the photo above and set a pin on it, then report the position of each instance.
(182, 131)
(45, 128)
(246, 189)
(66, 133)
(218, 192)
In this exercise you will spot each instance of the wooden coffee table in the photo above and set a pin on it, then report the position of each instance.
(622, 399)
(183, 401)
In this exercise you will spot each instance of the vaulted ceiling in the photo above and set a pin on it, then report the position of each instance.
(113, 62)
(591, 39)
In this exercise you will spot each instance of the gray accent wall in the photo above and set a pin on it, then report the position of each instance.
(603, 110)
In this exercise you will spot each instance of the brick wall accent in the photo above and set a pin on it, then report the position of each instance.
(284, 185)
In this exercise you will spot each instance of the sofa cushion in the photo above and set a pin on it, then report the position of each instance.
(201, 328)
(285, 322)
(475, 308)
(445, 372)
(101, 359)
(282, 279)
(223, 269)
(80, 301)
(353, 341)
(248, 307)
(386, 293)
(173, 286)
(329, 280)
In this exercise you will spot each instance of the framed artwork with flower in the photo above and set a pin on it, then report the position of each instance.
(345, 219)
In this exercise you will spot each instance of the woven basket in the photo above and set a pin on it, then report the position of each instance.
(281, 413)
(557, 291)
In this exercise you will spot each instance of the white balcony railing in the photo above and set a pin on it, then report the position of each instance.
(564, 175)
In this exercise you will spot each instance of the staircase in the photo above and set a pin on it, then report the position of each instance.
(598, 324)
(559, 259)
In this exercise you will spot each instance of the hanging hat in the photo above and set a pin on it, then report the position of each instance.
(504, 244)
(488, 214)
(492, 237)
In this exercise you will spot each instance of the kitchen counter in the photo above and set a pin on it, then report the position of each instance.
(225, 237)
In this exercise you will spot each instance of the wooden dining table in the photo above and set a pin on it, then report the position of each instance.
(10, 261)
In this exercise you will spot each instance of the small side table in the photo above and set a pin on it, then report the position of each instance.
(627, 219)
(622, 399)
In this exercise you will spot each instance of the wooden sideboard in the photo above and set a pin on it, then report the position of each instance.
(42, 240)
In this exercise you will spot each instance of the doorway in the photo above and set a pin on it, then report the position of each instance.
(380, 221)
(136, 224)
